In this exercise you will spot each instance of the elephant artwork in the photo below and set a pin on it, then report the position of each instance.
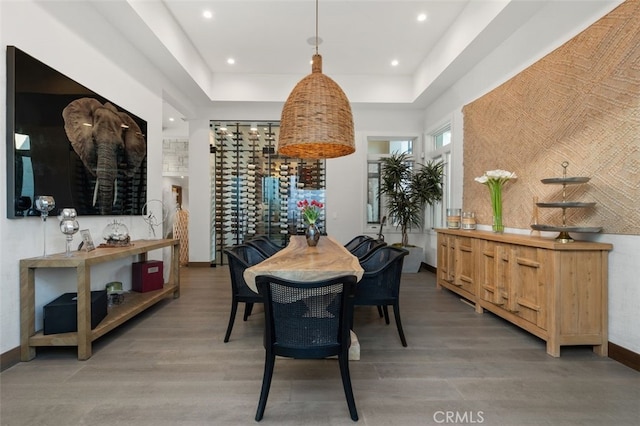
(109, 143)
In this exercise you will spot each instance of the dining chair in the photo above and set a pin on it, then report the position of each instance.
(365, 248)
(307, 320)
(240, 257)
(380, 283)
(265, 245)
(355, 241)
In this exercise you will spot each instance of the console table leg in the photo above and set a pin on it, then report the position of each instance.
(84, 312)
(174, 272)
(27, 312)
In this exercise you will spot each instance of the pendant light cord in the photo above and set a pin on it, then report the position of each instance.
(316, 27)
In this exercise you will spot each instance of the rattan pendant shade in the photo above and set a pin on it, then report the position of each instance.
(316, 121)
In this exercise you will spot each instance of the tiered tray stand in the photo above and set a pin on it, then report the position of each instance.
(564, 229)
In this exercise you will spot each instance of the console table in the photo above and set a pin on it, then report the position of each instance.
(556, 291)
(82, 262)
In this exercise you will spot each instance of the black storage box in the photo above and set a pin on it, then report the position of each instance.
(61, 315)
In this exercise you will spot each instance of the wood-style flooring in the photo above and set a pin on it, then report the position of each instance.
(169, 366)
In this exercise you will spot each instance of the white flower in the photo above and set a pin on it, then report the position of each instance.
(498, 176)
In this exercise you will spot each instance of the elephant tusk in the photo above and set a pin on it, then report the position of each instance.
(95, 192)
(115, 191)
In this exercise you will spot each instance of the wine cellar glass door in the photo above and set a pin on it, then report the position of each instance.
(257, 190)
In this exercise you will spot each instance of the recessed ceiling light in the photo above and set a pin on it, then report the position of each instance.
(171, 119)
(207, 14)
(422, 17)
(394, 63)
(231, 61)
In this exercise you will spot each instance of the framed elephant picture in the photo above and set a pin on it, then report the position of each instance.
(68, 142)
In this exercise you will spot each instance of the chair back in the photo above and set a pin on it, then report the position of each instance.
(366, 247)
(356, 241)
(382, 274)
(241, 257)
(264, 245)
(307, 320)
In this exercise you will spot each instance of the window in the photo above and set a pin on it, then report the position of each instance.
(377, 149)
(442, 137)
(439, 149)
(374, 206)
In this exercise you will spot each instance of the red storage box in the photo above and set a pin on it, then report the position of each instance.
(147, 276)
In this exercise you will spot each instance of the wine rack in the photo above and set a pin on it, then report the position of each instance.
(257, 190)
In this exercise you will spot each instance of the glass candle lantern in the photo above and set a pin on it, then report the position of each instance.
(453, 218)
(468, 220)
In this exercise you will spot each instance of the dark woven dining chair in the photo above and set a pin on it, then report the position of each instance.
(365, 248)
(241, 257)
(307, 320)
(355, 241)
(265, 245)
(380, 283)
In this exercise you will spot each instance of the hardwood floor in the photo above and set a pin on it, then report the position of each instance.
(169, 366)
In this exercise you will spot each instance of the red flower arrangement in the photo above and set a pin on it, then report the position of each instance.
(310, 210)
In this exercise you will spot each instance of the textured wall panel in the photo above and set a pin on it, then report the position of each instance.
(581, 104)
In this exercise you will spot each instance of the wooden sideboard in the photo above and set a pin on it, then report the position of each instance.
(556, 291)
(82, 262)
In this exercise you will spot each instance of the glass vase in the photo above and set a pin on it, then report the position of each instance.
(312, 233)
(498, 227)
(496, 206)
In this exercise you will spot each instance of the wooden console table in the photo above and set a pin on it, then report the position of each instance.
(82, 262)
(556, 291)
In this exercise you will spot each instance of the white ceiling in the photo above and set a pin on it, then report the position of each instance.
(271, 37)
(274, 40)
(269, 40)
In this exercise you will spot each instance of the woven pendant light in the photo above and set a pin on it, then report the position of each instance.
(316, 119)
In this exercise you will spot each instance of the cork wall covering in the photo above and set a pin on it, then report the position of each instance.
(581, 104)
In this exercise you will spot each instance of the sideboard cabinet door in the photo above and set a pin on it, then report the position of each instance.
(456, 258)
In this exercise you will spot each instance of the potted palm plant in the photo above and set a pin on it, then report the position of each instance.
(407, 188)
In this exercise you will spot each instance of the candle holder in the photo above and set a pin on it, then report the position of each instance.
(69, 226)
(44, 204)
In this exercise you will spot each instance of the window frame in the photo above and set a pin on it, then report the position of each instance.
(443, 153)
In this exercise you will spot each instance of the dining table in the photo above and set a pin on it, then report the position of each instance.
(300, 262)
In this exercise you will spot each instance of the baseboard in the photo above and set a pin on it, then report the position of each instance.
(9, 358)
(428, 267)
(624, 356)
(200, 264)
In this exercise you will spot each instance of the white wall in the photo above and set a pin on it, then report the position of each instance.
(33, 30)
(515, 54)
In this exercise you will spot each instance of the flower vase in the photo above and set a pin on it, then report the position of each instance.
(498, 227)
(496, 207)
(312, 233)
